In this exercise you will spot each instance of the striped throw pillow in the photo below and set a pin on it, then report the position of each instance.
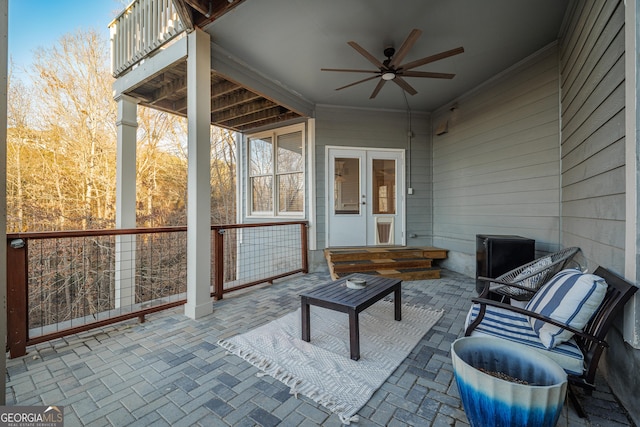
(570, 297)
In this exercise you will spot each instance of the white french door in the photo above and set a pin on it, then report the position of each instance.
(365, 189)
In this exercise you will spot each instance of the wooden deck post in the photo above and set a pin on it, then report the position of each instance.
(305, 247)
(17, 299)
(218, 264)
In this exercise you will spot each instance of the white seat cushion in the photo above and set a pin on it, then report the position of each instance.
(515, 327)
(570, 297)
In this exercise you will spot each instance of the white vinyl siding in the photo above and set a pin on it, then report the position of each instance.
(593, 132)
(496, 168)
(594, 163)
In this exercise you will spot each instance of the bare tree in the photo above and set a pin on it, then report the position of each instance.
(223, 176)
(74, 84)
(18, 112)
(223, 171)
(156, 171)
(61, 175)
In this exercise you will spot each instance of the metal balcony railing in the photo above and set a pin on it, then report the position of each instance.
(142, 28)
(61, 283)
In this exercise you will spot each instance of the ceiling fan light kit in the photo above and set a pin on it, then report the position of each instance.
(392, 69)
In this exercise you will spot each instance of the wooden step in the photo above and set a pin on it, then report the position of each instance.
(406, 274)
(407, 263)
(411, 274)
(355, 254)
(380, 264)
(435, 253)
(367, 254)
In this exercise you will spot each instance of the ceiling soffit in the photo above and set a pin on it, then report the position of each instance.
(233, 105)
(263, 77)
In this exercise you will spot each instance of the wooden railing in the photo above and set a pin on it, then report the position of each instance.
(143, 27)
(62, 283)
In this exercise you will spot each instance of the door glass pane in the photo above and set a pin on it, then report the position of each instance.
(384, 186)
(347, 186)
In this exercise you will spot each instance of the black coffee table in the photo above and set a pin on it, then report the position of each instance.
(337, 296)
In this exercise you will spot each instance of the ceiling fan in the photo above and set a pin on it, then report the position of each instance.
(391, 68)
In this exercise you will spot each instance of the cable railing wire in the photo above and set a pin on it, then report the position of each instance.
(68, 282)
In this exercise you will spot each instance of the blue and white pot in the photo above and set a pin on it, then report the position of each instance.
(491, 401)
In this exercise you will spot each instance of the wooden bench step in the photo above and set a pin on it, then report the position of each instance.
(369, 253)
(407, 263)
(409, 274)
(381, 264)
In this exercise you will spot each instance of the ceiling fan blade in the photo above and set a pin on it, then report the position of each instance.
(350, 70)
(366, 54)
(404, 49)
(358, 82)
(404, 85)
(427, 74)
(377, 89)
(432, 58)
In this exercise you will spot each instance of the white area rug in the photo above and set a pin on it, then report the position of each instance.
(322, 369)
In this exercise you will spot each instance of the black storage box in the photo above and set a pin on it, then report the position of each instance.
(496, 255)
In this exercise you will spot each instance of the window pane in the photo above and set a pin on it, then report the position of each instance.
(262, 194)
(290, 152)
(260, 156)
(276, 182)
(290, 192)
(384, 186)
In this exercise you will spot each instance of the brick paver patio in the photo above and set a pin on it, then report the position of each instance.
(169, 370)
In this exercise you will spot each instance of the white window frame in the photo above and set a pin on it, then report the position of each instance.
(274, 134)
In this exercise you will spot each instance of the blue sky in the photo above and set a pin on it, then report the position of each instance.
(40, 23)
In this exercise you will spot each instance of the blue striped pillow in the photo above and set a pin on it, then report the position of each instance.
(570, 297)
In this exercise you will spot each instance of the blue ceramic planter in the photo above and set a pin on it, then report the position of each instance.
(491, 401)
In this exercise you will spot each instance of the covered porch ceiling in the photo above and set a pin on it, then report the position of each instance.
(287, 43)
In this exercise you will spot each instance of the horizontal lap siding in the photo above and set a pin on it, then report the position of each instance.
(593, 133)
(496, 169)
(348, 127)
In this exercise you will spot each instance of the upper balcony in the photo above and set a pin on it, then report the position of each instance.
(133, 39)
(149, 61)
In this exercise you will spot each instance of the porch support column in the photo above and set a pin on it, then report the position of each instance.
(4, 23)
(631, 326)
(199, 301)
(126, 201)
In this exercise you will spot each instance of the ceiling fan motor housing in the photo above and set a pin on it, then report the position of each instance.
(393, 68)
(389, 52)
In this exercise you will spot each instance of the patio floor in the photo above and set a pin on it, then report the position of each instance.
(169, 370)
